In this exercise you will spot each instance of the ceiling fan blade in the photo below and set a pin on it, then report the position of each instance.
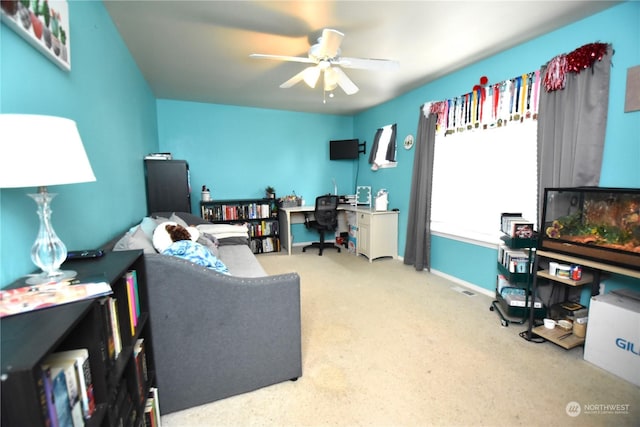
(345, 82)
(368, 64)
(293, 80)
(283, 58)
(329, 43)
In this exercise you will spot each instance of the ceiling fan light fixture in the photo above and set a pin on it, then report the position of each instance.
(327, 60)
(330, 79)
(311, 76)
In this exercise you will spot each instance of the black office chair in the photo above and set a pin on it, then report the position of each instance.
(326, 220)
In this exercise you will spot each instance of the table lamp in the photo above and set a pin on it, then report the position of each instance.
(38, 151)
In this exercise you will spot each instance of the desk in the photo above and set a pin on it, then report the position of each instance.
(370, 223)
(295, 215)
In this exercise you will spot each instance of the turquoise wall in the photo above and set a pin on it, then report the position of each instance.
(618, 25)
(115, 110)
(237, 151)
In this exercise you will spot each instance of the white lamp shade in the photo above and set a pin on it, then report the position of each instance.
(41, 151)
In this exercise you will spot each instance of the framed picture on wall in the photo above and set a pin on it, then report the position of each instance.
(44, 24)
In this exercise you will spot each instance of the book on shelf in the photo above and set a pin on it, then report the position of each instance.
(42, 395)
(505, 217)
(267, 245)
(149, 415)
(140, 354)
(516, 226)
(50, 416)
(256, 246)
(60, 397)
(79, 359)
(130, 303)
(107, 348)
(115, 326)
(37, 297)
(134, 279)
(68, 367)
(514, 260)
(139, 374)
(152, 406)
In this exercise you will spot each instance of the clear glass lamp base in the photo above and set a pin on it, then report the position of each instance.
(48, 252)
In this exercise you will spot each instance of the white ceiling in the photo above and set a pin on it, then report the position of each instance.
(199, 50)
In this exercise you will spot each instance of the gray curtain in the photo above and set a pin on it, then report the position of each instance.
(571, 129)
(417, 250)
(374, 147)
(390, 154)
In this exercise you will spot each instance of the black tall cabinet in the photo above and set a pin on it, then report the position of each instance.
(168, 186)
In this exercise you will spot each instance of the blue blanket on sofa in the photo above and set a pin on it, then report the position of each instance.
(196, 253)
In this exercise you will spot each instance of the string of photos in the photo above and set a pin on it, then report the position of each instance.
(515, 100)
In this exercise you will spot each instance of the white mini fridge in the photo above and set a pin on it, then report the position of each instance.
(613, 334)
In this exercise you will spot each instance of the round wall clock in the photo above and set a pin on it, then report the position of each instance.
(408, 142)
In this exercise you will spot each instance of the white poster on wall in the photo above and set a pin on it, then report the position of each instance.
(44, 24)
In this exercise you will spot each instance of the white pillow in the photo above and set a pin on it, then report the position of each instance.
(162, 239)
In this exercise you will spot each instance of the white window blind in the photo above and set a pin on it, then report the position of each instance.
(478, 174)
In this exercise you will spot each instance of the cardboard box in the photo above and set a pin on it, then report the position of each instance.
(613, 334)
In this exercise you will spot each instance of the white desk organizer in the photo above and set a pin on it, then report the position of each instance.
(382, 200)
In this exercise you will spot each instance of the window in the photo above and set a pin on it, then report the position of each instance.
(383, 152)
(478, 174)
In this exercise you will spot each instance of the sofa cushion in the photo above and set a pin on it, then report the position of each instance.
(148, 225)
(231, 241)
(241, 261)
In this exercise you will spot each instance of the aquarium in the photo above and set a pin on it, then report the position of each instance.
(601, 224)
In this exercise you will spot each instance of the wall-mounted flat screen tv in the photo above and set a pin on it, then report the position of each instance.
(343, 149)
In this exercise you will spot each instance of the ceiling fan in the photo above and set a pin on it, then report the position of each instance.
(326, 60)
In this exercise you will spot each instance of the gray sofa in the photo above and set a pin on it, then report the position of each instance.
(217, 335)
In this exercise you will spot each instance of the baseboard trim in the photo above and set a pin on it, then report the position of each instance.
(476, 288)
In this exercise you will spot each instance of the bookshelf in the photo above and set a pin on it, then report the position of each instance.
(260, 216)
(514, 298)
(121, 381)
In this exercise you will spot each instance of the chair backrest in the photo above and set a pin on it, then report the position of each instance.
(326, 212)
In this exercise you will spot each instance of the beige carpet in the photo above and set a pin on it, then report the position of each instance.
(384, 345)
